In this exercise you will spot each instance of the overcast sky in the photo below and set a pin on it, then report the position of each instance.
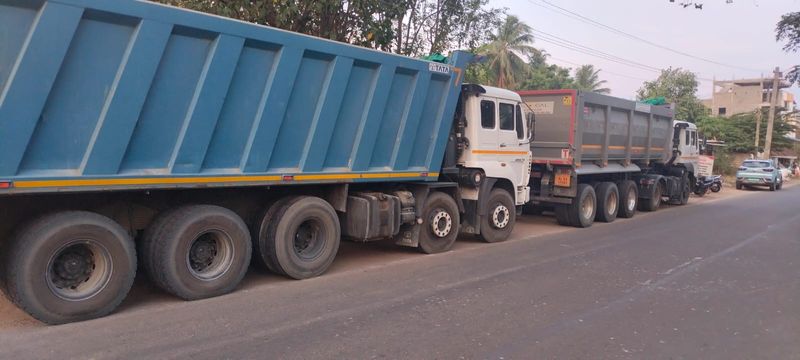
(740, 34)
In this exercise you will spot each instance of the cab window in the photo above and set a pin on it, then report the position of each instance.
(688, 137)
(487, 114)
(694, 138)
(520, 127)
(506, 116)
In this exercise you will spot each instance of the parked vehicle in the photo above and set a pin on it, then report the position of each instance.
(759, 173)
(191, 142)
(600, 157)
(708, 183)
(716, 183)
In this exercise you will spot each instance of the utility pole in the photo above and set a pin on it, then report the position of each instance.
(771, 120)
(758, 113)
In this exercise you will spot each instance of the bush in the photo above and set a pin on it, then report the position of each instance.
(723, 162)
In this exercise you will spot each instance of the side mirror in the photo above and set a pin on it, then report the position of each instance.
(531, 117)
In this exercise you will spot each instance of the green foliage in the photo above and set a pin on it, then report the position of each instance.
(677, 86)
(723, 162)
(788, 29)
(587, 78)
(547, 77)
(408, 27)
(738, 131)
(506, 50)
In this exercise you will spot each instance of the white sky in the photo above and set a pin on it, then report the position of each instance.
(740, 34)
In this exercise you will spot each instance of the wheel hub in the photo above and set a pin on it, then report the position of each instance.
(308, 243)
(587, 207)
(203, 252)
(501, 216)
(631, 199)
(79, 270)
(210, 255)
(442, 223)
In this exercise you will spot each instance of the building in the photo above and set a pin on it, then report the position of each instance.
(732, 97)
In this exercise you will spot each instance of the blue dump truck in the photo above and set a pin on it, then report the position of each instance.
(136, 136)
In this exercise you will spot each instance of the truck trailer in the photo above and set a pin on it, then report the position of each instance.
(597, 157)
(138, 136)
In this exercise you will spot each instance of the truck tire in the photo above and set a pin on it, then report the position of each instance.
(498, 223)
(628, 199)
(302, 238)
(608, 202)
(684, 196)
(258, 232)
(196, 251)
(654, 202)
(582, 211)
(440, 223)
(69, 266)
(562, 215)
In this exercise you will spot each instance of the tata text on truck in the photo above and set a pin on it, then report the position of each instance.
(600, 157)
(137, 136)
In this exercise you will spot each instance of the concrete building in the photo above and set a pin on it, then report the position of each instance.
(732, 97)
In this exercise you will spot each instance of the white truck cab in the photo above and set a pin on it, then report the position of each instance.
(688, 144)
(499, 138)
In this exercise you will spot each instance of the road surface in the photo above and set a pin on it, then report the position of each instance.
(714, 280)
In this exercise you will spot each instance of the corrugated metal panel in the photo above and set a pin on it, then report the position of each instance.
(125, 90)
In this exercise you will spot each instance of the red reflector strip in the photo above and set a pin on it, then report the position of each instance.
(288, 177)
(5, 184)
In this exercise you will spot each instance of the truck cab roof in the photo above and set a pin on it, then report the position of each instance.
(494, 92)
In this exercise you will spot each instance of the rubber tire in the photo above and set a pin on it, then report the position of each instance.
(779, 186)
(28, 253)
(687, 190)
(738, 186)
(562, 215)
(654, 202)
(604, 190)
(276, 246)
(771, 187)
(258, 232)
(429, 243)
(167, 241)
(715, 188)
(573, 210)
(489, 233)
(623, 211)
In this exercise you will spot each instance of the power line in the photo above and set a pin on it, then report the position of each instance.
(558, 41)
(577, 16)
(602, 70)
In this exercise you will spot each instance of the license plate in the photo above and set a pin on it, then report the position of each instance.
(563, 179)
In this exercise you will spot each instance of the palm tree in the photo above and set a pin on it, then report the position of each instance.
(506, 51)
(587, 78)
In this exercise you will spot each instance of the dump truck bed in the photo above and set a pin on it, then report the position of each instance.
(126, 94)
(598, 133)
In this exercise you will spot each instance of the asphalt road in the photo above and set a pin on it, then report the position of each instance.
(713, 280)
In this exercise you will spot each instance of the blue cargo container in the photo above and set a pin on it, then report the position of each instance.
(193, 143)
(109, 94)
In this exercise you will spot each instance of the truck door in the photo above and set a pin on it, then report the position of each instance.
(487, 139)
(511, 136)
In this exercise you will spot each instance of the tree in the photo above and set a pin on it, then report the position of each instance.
(587, 78)
(677, 86)
(737, 131)
(506, 50)
(788, 30)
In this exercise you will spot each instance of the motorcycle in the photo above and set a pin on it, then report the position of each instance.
(706, 183)
(716, 183)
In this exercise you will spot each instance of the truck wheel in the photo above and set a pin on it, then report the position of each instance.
(258, 232)
(440, 224)
(69, 266)
(562, 215)
(628, 199)
(581, 212)
(608, 202)
(302, 238)
(498, 223)
(684, 199)
(196, 251)
(654, 202)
